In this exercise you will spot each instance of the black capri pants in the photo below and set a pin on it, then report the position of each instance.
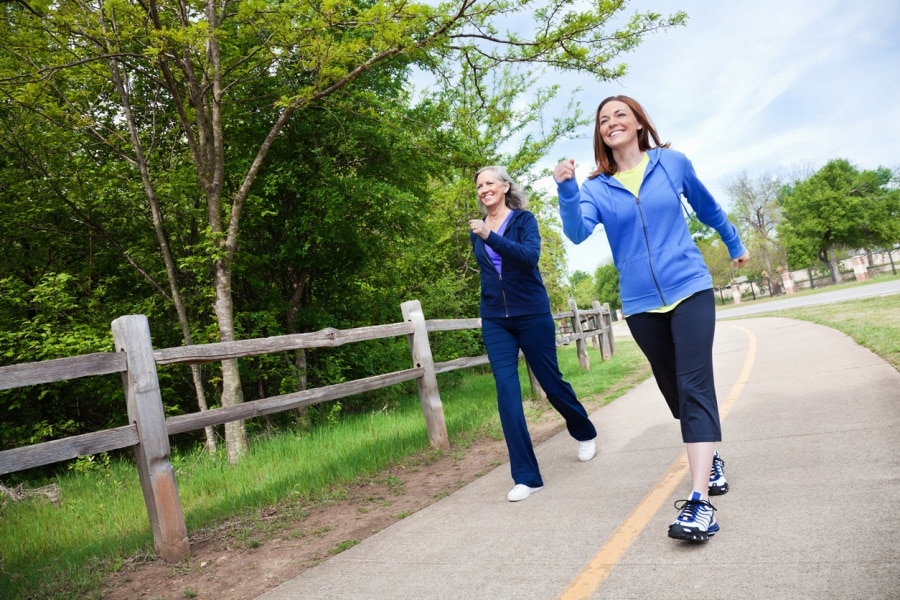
(678, 345)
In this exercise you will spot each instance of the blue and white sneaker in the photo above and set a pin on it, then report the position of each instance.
(696, 522)
(717, 483)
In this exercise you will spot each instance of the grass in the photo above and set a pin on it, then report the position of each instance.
(872, 322)
(63, 550)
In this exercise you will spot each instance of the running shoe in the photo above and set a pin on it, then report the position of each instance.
(717, 483)
(696, 522)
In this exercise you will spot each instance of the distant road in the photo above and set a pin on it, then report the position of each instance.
(851, 293)
(620, 329)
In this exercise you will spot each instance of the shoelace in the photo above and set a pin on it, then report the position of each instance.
(718, 467)
(689, 508)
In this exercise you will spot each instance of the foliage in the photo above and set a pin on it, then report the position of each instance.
(46, 322)
(838, 207)
(582, 286)
(244, 169)
(757, 214)
(606, 279)
(714, 252)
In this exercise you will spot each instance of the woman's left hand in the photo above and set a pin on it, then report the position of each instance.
(741, 260)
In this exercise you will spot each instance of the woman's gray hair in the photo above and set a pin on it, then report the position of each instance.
(515, 197)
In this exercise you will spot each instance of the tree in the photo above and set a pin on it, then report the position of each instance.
(880, 228)
(714, 252)
(606, 279)
(162, 83)
(582, 288)
(834, 209)
(61, 274)
(757, 215)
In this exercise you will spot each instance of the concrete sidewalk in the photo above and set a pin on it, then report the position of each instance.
(812, 430)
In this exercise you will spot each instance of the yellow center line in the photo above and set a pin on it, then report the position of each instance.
(600, 566)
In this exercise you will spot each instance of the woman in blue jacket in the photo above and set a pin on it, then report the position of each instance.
(666, 288)
(515, 314)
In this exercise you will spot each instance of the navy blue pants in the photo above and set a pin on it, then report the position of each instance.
(678, 345)
(536, 336)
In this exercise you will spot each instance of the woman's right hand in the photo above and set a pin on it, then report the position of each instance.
(564, 170)
(479, 228)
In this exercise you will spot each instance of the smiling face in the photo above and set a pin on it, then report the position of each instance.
(618, 126)
(491, 191)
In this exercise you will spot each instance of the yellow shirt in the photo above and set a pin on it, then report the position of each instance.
(632, 178)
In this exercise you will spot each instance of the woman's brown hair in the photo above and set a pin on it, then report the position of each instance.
(603, 156)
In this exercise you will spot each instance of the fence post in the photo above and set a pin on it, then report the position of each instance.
(429, 396)
(599, 339)
(580, 346)
(595, 325)
(537, 392)
(607, 342)
(145, 409)
(608, 327)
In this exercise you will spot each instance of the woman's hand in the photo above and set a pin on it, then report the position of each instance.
(564, 170)
(741, 260)
(479, 228)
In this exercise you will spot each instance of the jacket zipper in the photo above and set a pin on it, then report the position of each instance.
(502, 289)
(662, 297)
(499, 278)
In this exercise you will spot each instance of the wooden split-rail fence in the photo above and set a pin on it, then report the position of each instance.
(148, 430)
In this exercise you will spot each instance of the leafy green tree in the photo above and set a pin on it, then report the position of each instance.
(332, 221)
(205, 93)
(62, 274)
(714, 252)
(834, 209)
(757, 214)
(881, 226)
(582, 285)
(478, 117)
(606, 279)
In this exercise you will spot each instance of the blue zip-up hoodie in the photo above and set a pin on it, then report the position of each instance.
(519, 289)
(657, 260)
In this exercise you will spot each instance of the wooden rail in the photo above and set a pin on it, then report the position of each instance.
(149, 431)
(61, 369)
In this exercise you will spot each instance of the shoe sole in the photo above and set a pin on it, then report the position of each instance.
(718, 490)
(678, 532)
(526, 497)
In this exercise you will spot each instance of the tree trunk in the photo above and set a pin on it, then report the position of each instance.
(303, 420)
(162, 240)
(200, 391)
(772, 282)
(232, 392)
(298, 281)
(831, 256)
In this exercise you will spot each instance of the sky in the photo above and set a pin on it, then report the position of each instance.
(764, 88)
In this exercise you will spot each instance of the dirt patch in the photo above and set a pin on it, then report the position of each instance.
(241, 559)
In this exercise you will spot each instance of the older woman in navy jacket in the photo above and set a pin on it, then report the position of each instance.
(515, 314)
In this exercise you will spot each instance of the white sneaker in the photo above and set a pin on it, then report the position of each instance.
(587, 450)
(520, 492)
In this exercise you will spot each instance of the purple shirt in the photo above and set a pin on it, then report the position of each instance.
(495, 258)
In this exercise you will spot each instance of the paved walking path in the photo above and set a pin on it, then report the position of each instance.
(812, 433)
